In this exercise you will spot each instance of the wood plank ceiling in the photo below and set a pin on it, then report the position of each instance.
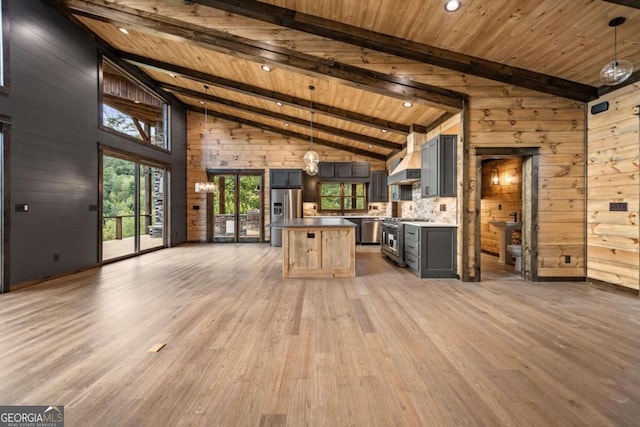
(364, 57)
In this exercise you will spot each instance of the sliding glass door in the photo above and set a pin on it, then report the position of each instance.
(235, 209)
(133, 207)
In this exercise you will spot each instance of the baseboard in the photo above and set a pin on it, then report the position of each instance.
(561, 279)
(606, 286)
(34, 282)
(489, 253)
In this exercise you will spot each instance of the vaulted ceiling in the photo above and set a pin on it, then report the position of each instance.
(365, 58)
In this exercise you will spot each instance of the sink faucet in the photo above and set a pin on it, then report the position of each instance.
(515, 216)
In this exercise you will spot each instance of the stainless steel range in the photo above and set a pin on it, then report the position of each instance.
(391, 243)
(392, 238)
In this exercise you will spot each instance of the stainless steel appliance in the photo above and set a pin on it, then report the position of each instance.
(392, 238)
(391, 242)
(285, 204)
(370, 231)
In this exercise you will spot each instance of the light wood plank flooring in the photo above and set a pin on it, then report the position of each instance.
(245, 347)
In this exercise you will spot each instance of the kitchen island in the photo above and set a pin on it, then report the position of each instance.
(318, 247)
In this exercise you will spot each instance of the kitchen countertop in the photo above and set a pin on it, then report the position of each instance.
(310, 222)
(428, 224)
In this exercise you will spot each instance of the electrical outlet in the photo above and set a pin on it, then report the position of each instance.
(618, 207)
(499, 207)
(443, 208)
(56, 257)
(567, 259)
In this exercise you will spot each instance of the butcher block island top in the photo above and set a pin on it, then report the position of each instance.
(318, 247)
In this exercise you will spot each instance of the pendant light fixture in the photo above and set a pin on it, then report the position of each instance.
(618, 70)
(495, 174)
(311, 158)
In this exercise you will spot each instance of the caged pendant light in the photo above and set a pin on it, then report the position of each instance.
(618, 70)
(311, 158)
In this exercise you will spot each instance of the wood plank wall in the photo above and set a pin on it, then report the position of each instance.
(613, 171)
(499, 201)
(503, 116)
(229, 145)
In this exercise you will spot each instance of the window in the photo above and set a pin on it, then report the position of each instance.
(342, 197)
(4, 46)
(131, 109)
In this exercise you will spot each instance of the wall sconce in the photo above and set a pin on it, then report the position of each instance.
(495, 175)
(206, 187)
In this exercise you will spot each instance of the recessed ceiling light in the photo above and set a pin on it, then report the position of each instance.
(370, 146)
(123, 30)
(266, 68)
(172, 75)
(201, 102)
(136, 102)
(279, 104)
(407, 104)
(384, 130)
(286, 125)
(452, 5)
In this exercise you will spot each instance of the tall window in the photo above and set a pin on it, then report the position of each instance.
(131, 109)
(342, 197)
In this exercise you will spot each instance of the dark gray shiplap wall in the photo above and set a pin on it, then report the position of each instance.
(54, 137)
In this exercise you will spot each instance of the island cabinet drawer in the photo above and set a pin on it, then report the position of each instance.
(413, 262)
(411, 232)
(412, 247)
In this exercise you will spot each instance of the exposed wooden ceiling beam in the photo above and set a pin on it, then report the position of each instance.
(269, 95)
(283, 117)
(629, 3)
(223, 42)
(407, 49)
(289, 133)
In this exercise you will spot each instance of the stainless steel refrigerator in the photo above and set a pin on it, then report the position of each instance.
(286, 203)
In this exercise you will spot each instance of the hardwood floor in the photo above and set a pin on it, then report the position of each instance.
(246, 347)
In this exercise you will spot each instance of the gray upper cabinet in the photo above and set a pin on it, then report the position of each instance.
(326, 169)
(360, 169)
(340, 170)
(401, 193)
(285, 178)
(439, 167)
(310, 188)
(343, 170)
(378, 190)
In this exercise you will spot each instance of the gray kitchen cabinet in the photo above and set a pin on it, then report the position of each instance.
(285, 178)
(378, 190)
(343, 170)
(401, 193)
(310, 188)
(358, 223)
(430, 251)
(438, 177)
(360, 170)
(326, 169)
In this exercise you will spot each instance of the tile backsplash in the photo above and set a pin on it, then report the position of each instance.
(430, 208)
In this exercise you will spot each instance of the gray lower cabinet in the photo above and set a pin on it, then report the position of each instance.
(430, 252)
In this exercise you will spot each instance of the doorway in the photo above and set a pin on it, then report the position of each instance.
(4, 200)
(134, 209)
(235, 209)
(511, 174)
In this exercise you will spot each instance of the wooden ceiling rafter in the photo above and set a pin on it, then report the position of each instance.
(629, 3)
(392, 45)
(269, 95)
(223, 42)
(283, 117)
(288, 133)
